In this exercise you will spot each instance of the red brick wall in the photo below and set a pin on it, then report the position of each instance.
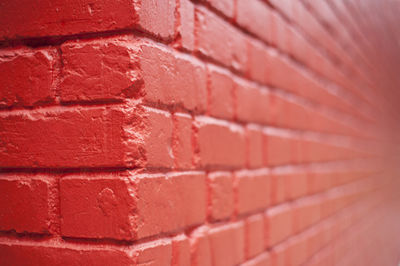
(178, 132)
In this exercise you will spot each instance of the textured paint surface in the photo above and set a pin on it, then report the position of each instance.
(199, 132)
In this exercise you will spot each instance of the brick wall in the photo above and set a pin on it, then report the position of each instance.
(209, 132)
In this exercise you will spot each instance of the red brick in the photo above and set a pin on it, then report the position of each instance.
(27, 77)
(227, 244)
(281, 150)
(329, 204)
(220, 98)
(263, 259)
(254, 16)
(49, 18)
(277, 31)
(319, 181)
(278, 188)
(323, 258)
(285, 6)
(164, 72)
(182, 145)
(297, 250)
(254, 229)
(186, 25)
(258, 61)
(180, 202)
(211, 36)
(285, 33)
(25, 204)
(317, 151)
(200, 247)
(87, 137)
(28, 254)
(110, 211)
(347, 176)
(308, 86)
(280, 70)
(254, 146)
(297, 185)
(221, 195)
(99, 70)
(158, 252)
(253, 190)
(324, 123)
(76, 137)
(158, 140)
(100, 207)
(252, 103)
(224, 6)
(180, 251)
(156, 17)
(278, 222)
(313, 28)
(306, 212)
(181, 132)
(279, 255)
(219, 144)
(318, 237)
(286, 112)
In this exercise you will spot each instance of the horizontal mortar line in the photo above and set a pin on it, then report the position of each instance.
(312, 42)
(337, 14)
(146, 36)
(291, 58)
(340, 43)
(143, 170)
(92, 105)
(57, 242)
(74, 242)
(209, 60)
(77, 242)
(327, 110)
(321, 108)
(32, 239)
(121, 100)
(318, 194)
(336, 215)
(117, 33)
(57, 40)
(296, 131)
(348, 229)
(66, 170)
(329, 113)
(63, 106)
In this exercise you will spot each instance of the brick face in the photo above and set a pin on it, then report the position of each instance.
(221, 195)
(87, 16)
(220, 144)
(26, 68)
(180, 199)
(164, 72)
(84, 137)
(104, 212)
(24, 204)
(98, 71)
(198, 132)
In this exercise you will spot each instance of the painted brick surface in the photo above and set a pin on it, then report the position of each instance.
(199, 132)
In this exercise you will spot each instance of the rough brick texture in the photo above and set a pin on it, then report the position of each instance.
(199, 132)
